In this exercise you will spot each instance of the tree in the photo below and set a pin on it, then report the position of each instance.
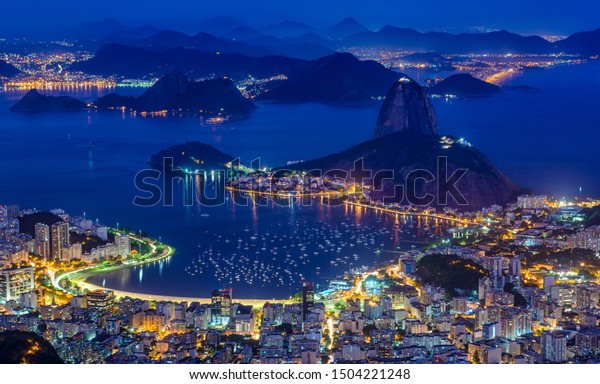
(368, 328)
(476, 358)
(450, 272)
(520, 300)
(340, 305)
(286, 328)
(18, 347)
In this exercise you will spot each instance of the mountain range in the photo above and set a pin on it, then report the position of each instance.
(338, 79)
(441, 42)
(298, 40)
(583, 43)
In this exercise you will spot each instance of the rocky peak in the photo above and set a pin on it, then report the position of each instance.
(172, 84)
(167, 89)
(406, 108)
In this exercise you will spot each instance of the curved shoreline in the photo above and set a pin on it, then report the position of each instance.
(157, 297)
(79, 277)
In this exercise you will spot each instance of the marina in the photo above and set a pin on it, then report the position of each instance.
(283, 254)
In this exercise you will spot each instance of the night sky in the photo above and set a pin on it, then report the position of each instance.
(549, 17)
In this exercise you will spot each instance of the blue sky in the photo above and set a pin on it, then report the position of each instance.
(523, 16)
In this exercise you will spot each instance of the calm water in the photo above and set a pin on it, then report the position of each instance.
(546, 141)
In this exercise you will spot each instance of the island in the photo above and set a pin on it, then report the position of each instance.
(218, 100)
(464, 85)
(36, 102)
(193, 155)
(175, 94)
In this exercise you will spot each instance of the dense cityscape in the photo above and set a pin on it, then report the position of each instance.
(519, 285)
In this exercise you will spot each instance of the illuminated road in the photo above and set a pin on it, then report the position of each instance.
(291, 194)
(417, 214)
(257, 303)
(497, 78)
(95, 269)
(286, 194)
(79, 277)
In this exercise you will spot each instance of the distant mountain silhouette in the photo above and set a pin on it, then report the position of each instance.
(307, 46)
(164, 39)
(464, 85)
(346, 27)
(176, 93)
(243, 33)
(167, 39)
(141, 31)
(219, 25)
(347, 33)
(122, 60)
(36, 102)
(288, 28)
(441, 42)
(585, 43)
(127, 61)
(95, 29)
(338, 79)
(8, 70)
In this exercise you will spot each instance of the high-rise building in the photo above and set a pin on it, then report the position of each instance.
(42, 240)
(14, 282)
(72, 252)
(13, 211)
(3, 217)
(272, 314)
(220, 304)
(460, 305)
(102, 300)
(102, 232)
(59, 239)
(548, 283)
(308, 298)
(123, 243)
(483, 287)
(532, 201)
(587, 239)
(514, 270)
(495, 265)
(554, 346)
